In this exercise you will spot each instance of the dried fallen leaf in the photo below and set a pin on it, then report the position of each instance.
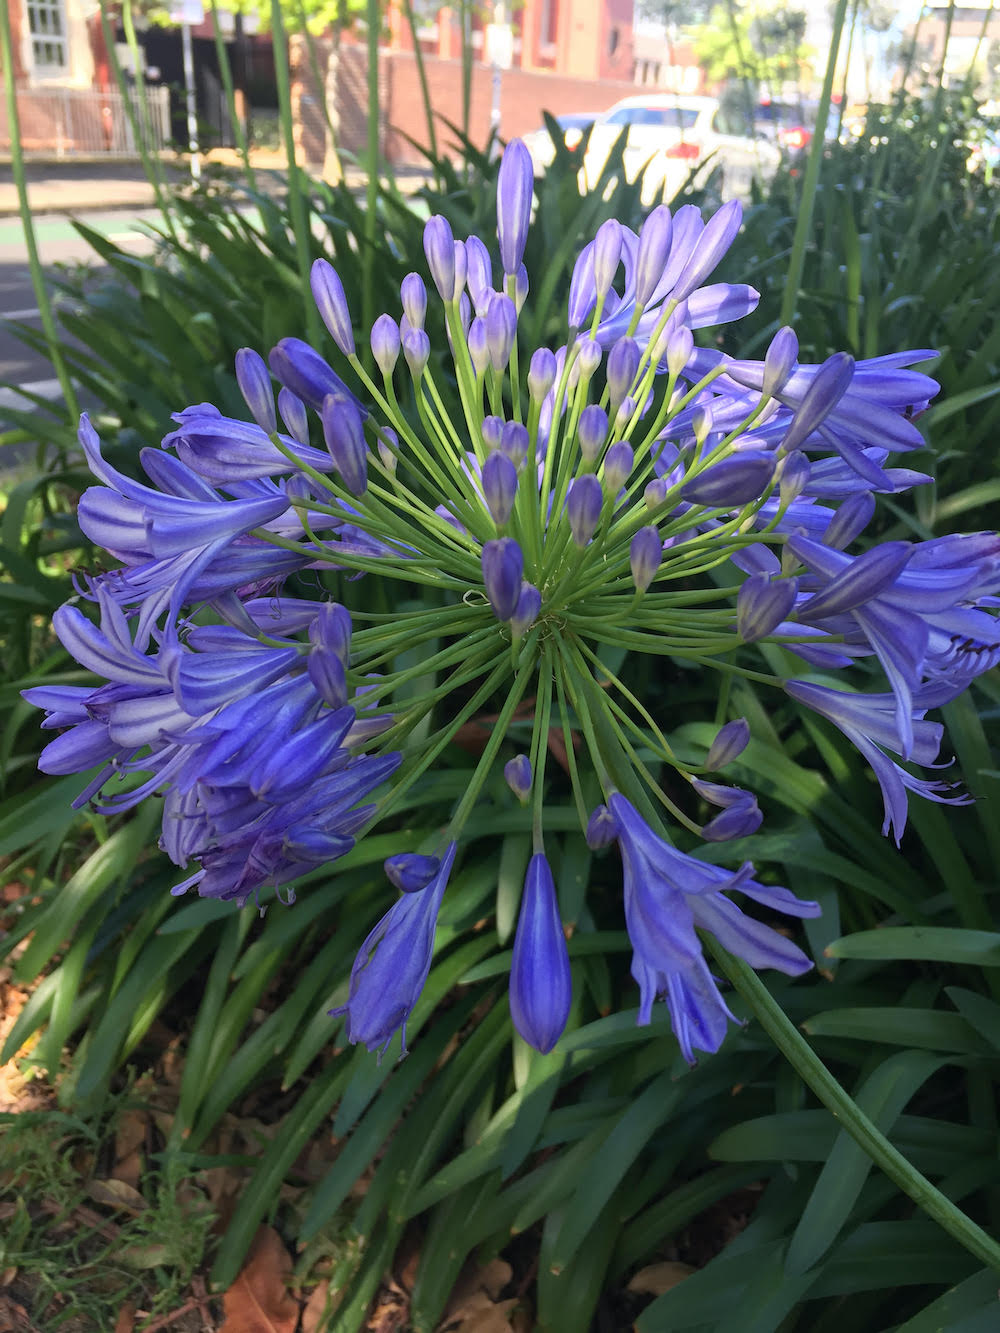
(320, 1306)
(7, 1276)
(125, 1323)
(655, 1279)
(475, 1306)
(259, 1300)
(116, 1194)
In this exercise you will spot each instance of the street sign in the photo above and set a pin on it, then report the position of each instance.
(187, 11)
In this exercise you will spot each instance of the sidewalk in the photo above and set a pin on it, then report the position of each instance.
(81, 186)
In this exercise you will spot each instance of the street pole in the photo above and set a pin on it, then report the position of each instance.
(189, 95)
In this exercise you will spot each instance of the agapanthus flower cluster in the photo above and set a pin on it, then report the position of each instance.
(626, 489)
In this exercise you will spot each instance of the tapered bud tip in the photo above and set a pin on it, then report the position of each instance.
(461, 269)
(588, 356)
(654, 247)
(529, 604)
(410, 872)
(779, 361)
(762, 604)
(850, 520)
(829, 384)
(416, 350)
(503, 569)
(345, 439)
(439, 247)
(730, 741)
(514, 186)
(499, 486)
(331, 630)
(294, 415)
(413, 295)
(541, 373)
(680, 346)
(623, 362)
(254, 380)
(479, 350)
(602, 828)
(520, 287)
(541, 988)
(501, 330)
(607, 255)
(618, 464)
(517, 774)
(592, 431)
(514, 441)
(583, 508)
(331, 302)
(492, 429)
(733, 482)
(793, 474)
(385, 343)
(645, 554)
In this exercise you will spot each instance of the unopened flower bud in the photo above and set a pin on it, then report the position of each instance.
(607, 255)
(417, 351)
(656, 492)
(294, 415)
(479, 273)
(461, 269)
(651, 257)
(592, 431)
(385, 344)
(520, 288)
(331, 302)
(331, 629)
(680, 346)
(529, 604)
(410, 872)
(541, 986)
(503, 570)
(499, 486)
(492, 429)
(602, 828)
(618, 464)
(501, 330)
(762, 604)
(623, 362)
(515, 182)
(624, 414)
(517, 774)
(730, 742)
(479, 350)
(439, 247)
(793, 474)
(829, 384)
(413, 295)
(541, 373)
(345, 438)
(255, 385)
(645, 554)
(583, 507)
(514, 441)
(779, 361)
(588, 357)
(740, 815)
(733, 482)
(388, 448)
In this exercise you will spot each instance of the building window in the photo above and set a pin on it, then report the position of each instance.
(47, 26)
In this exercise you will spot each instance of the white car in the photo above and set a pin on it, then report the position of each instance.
(668, 136)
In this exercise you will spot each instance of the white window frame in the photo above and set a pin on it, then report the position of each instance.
(47, 35)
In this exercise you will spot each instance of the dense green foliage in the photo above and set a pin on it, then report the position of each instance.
(605, 1151)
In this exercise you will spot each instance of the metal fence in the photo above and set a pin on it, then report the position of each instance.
(68, 122)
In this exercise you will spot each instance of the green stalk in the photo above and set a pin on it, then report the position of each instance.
(425, 92)
(296, 198)
(466, 67)
(222, 55)
(143, 130)
(34, 261)
(320, 82)
(839, 1103)
(371, 193)
(803, 224)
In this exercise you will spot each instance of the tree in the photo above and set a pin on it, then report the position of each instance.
(757, 43)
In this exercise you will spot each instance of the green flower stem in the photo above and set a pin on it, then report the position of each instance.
(569, 670)
(816, 1076)
(525, 674)
(416, 570)
(803, 223)
(410, 633)
(617, 715)
(470, 388)
(515, 378)
(552, 448)
(418, 708)
(296, 199)
(34, 261)
(444, 736)
(236, 121)
(452, 654)
(574, 774)
(428, 382)
(424, 90)
(540, 747)
(640, 708)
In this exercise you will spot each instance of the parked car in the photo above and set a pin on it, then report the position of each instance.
(669, 135)
(791, 124)
(572, 124)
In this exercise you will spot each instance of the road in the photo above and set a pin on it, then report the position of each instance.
(58, 243)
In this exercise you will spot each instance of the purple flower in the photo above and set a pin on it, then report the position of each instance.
(503, 569)
(645, 554)
(541, 987)
(529, 605)
(439, 247)
(517, 775)
(328, 293)
(583, 507)
(667, 895)
(410, 872)
(499, 487)
(392, 965)
(255, 386)
(871, 723)
(733, 482)
(385, 343)
(515, 182)
(762, 604)
(345, 438)
(730, 742)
